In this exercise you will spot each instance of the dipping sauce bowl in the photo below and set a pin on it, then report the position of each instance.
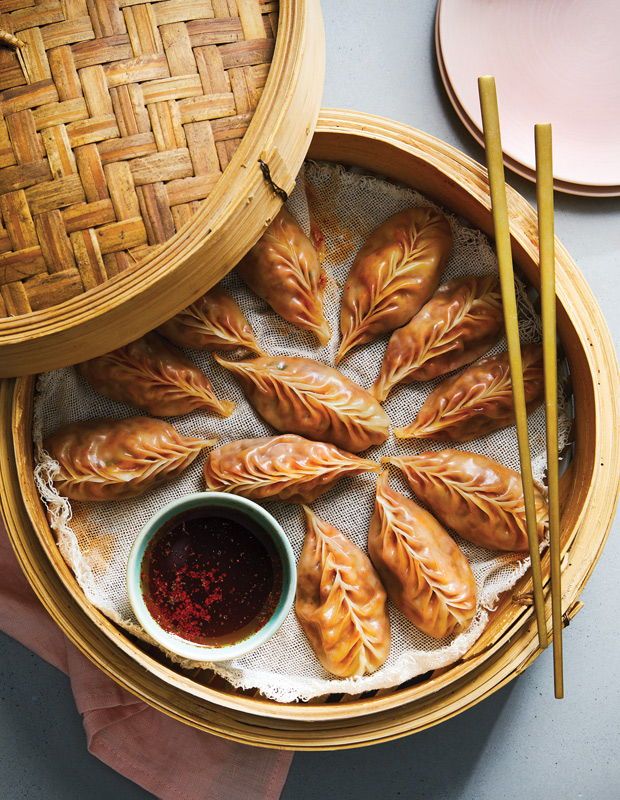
(211, 576)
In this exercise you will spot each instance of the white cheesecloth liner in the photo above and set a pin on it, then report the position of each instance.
(95, 538)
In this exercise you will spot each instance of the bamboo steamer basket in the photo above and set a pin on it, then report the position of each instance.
(589, 489)
(139, 143)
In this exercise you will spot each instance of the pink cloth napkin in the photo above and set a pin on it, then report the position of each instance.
(165, 757)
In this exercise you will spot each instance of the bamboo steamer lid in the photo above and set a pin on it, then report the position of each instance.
(144, 147)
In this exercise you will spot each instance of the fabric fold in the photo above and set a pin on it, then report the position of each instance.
(167, 758)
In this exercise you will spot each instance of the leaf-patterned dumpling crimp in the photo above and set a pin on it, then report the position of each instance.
(393, 275)
(461, 321)
(286, 467)
(340, 603)
(478, 400)
(425, 573)
(473, 495)
(284, 269)
(153, 375)
(213, 322)
(303, 396)
(115, 459)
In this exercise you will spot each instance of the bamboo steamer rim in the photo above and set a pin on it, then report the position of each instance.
(230, 220)
(509, 643)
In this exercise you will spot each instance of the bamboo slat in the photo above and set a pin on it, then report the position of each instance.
(154, 109)
(509, 644)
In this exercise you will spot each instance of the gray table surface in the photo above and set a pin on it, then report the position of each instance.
(519, 743)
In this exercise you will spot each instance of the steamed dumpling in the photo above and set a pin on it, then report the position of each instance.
(459, 323)
(284, 467)
(475, 496)
(299, 395)
(284, 269)
(393, 275)
(477, 401)
(153, 375)
(114, 459)
(425, 573)
(341, 604)
(213, 322)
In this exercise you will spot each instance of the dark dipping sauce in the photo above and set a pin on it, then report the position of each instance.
(211, 576)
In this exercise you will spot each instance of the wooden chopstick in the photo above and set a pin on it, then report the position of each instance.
(499, 207)
(546, 243)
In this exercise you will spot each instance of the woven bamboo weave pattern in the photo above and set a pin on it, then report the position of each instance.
(116, 121)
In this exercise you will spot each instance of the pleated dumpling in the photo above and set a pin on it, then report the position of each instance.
(341, 603)
(393, 275)
(114, 459)
(153, 375)
(425, 573)
(213, 322)
(477, 401)
(284, 269)
(459, 323)
(477, 497)
(299, 395)
(284, 467)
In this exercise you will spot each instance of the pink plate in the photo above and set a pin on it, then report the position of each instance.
(555, 61)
